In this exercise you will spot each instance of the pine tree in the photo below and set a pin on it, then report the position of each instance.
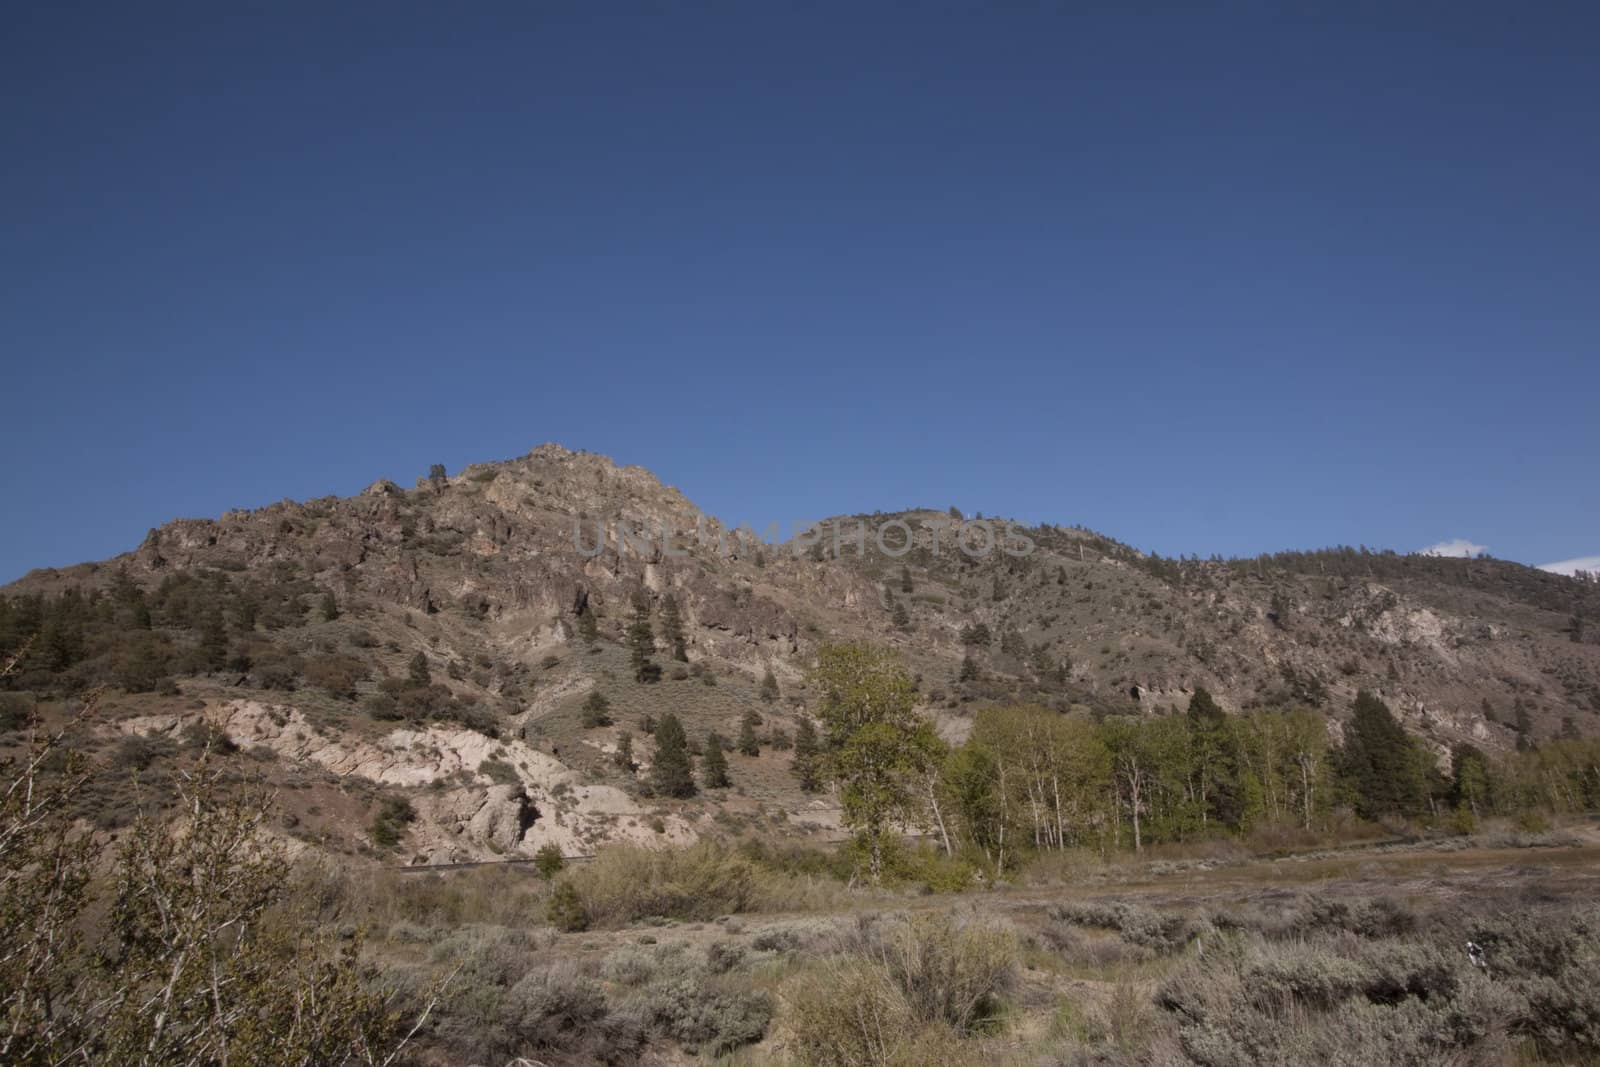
(748, 744)
(672, 628)
(1378, 762)
(905, 580)
(672, 771)
(714, 765)
(769, 687)
(623, 756)
(642, 645)
(588, 626)
(900, 616)
(969, 668)
(595, 710)
(328, 608)
(437, 476)
(806, 763)
(214, 639)
(417, 673)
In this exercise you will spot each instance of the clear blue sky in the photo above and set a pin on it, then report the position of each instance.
(1215, 278)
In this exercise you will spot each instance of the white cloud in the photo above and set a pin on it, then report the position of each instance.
(1567, 566)
(1459, 547)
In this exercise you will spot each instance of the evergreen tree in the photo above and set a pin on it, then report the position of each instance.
(672, 629)
(437, 476)
(623, 756)
(642, 645)
(328, 608)
(714, 765)
(596, 710)
(1523, 726)
(588, 626)
(769, 687)
(969, 668)
(899, 615)
(806, 763)
(1469, 779)
(1379, 762)
(417, 673)
(672, 771)
(905, 580)
(748, 744)
(214, 639)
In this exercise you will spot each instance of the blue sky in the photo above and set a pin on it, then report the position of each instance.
(1209, 278)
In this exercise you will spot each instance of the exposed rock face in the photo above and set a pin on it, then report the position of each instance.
(496, 818)
(482, 820)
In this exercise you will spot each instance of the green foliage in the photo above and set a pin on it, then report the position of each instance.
(625, 883)
(672, 769)
(714, 765)
(565, 909)
(499, 771)
(548, 860)
(596, 710)
(749, 744)
(875, 747)
(806, 763)
(622, 758)
(672, 629)
(1380, 764)
(389, 824)
(769, 687)
(417, 673)
(642, 645)
(588, 626)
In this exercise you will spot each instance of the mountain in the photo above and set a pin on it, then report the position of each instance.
(422, 654)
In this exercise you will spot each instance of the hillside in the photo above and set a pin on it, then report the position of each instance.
(296, 630)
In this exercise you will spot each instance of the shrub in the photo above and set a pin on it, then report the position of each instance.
(499, 771)
(1160, 932)
(845, 1012)
(338, 675)
(703, 1017)
(626, 883)
(389, 825)
(949, 971)
(596, 710)
(553, 1008)
(548, 861)
(565, 910)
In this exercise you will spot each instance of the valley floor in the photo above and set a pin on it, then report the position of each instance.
(1351, 956)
